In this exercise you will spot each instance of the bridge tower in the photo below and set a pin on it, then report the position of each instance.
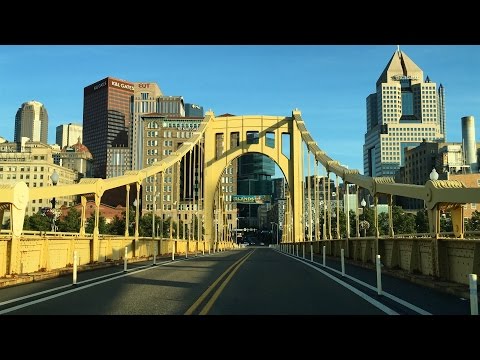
(227, 138)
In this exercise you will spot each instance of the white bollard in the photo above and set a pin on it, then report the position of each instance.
(379, 275)
(125, 259)
(324, 249)
(75, 267)
(303, 251)
(311, 252)
(342, 259)
(186, 251)
(473, 294)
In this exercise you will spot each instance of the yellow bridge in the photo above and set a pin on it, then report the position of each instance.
(217, 142)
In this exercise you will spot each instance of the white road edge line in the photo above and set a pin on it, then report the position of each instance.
(130, 272)
(92, 279)
(361, 294)
(70, 285)
(390, 296)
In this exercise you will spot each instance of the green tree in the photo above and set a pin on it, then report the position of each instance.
(473, 224)
(369, 216)
(421, 222)
(117, 226)
(353, 223)
(38, 222)
(102, 225)
(446, 223)
(145, 225)
(383, 223)
(403, 223)
(343, 225)
(71, 222)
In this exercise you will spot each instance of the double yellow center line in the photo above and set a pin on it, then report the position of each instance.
(230, 272)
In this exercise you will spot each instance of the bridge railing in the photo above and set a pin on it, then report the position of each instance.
(444, 258)
(44, 251)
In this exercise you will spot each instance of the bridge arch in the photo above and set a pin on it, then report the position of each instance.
(229, 137)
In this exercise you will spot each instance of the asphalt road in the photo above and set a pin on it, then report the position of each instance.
(250, 281)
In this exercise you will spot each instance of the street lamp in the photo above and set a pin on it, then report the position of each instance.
(54, 177)
(363, 203)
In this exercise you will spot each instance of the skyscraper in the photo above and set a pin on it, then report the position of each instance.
(106, 119)
(68, 134)
(31, 121)
(404, 111)
(145, 101)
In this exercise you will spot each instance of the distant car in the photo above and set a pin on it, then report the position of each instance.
(262, 244)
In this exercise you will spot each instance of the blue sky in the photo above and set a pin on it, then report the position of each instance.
(329, 84)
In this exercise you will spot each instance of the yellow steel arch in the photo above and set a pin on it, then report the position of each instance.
(221, 149)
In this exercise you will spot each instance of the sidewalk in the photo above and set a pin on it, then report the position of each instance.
(443, 286)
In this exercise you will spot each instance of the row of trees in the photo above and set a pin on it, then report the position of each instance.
(403, 222)
(71, 223)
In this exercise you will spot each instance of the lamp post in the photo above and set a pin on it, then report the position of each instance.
(363, 203)
(54, 177)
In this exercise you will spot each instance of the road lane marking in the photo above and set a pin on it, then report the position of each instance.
(364, 296)
(130, 272)
(112, 275)
(207, 292)
(70, 285)
(217, 293)
(408, 305)
(390, 296)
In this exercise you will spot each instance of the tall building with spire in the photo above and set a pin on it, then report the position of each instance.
(404, 110)
(31, 121)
